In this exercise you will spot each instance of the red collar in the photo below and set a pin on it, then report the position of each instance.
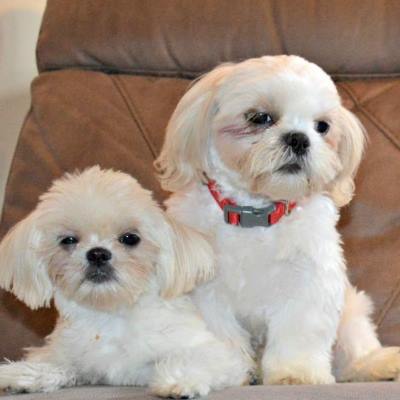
(246, 216)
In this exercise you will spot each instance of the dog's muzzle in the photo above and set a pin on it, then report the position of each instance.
(99, 269)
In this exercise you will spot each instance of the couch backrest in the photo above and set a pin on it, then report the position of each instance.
(189, 37)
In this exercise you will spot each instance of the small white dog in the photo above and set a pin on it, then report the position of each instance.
(116, 267)
(269, 142)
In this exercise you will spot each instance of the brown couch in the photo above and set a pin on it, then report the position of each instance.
(110, 75)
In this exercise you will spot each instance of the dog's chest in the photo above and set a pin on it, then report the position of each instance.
(257, 267)
(262, 268)
(97, 343)
(121, 348)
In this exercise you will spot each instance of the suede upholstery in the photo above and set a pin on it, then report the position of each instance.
(111, 74)
(187, 38)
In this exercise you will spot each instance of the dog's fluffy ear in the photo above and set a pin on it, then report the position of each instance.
(186, 259)
(22, 270)
(184, 154)
(350, 150)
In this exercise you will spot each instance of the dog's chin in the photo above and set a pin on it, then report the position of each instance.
(287, 182)
(100, 275)
(104, 294)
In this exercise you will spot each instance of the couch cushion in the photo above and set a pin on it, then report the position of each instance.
(81, 118)
(345, 391)
(183, 38)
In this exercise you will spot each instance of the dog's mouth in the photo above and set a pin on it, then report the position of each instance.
(99, 273)
(290, 168)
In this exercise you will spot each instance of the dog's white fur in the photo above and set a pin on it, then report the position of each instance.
(285, 285)
(135, 329)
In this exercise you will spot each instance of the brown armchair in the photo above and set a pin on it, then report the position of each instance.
(111, 73)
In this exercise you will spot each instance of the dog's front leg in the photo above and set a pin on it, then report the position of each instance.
(31, 376)
(299, 345)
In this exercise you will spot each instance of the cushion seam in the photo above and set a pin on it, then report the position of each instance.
(388, 304)
(134, 114)
(172, 73)
(379, 93)
(377, 123)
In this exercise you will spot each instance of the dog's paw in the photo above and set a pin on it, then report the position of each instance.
(176, 380)
(382, 364)
(298, 376)
(180, 390)
(20, 377)
(253, 378)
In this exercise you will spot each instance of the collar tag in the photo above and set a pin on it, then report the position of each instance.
(247, 217)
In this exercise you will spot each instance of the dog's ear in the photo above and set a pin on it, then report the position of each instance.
(351, 147)
(183, 157)
(186, 259)
(23, 271)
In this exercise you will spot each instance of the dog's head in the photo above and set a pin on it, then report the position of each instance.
(100, 239)
(274, 126)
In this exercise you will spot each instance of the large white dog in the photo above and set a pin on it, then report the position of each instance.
(260, 156)
(117, 269)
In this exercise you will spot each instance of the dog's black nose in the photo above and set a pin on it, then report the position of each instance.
(98, 255)
(298, 142)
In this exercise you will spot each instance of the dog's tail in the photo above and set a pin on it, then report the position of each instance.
(358, 354)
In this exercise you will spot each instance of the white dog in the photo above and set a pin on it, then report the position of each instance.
(268, 141)
(116, 267)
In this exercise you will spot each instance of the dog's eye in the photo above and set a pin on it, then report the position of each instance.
(129, 239)
(260, 118)
(322, 127)
(69, 240)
